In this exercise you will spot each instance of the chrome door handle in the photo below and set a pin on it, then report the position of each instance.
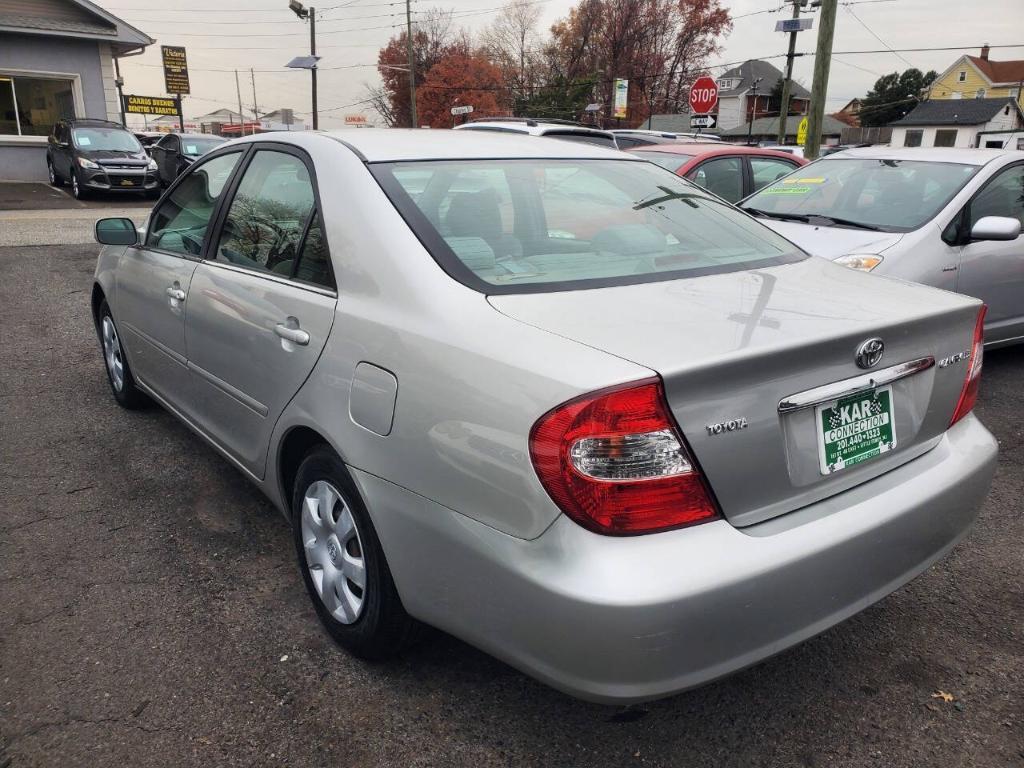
(176, 293)
(294, 335)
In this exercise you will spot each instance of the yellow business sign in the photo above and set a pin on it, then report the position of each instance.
(801, 132)
(150, 105)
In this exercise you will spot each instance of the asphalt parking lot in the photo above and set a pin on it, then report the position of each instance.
(151, 614)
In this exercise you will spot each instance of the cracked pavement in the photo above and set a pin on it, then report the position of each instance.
(148, 597)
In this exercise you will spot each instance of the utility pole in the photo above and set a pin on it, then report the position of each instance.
(822, 63)
(787, 83)
(753, 109)
(119, 82)
(312, 52)
(241, 116)
(412, 64)
(255, 109)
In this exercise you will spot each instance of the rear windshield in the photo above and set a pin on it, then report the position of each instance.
(523, 226)
(890, 195)
(669, 160)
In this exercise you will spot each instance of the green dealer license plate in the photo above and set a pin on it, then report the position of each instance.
(854, 429)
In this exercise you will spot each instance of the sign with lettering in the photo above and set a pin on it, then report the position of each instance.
(175, 69)
(620, 98)
(150, 105)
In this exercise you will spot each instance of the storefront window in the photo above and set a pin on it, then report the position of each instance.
(29, 106)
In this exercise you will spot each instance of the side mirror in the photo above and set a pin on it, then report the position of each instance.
(119, 231)
(995, 228)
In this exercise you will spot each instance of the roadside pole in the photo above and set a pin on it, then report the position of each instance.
(241, 115)
(181, 113)
(787, 83)
(822, 63)
(412, 64)
(753, 111)
(312, 71)
(255, 109)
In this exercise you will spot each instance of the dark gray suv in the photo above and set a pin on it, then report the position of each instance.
(99, 156)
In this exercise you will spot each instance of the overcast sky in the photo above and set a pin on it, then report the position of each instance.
(221, 35)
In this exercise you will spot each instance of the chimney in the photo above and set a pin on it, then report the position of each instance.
(985, 51)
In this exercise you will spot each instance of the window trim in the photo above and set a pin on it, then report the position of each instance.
(442, 254)
(242, 152)
(961, 76)
(232, 187)
(77, 97)
(920, 136)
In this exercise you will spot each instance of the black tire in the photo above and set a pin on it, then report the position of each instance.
(54, 177)
(76, 189)
(382, 628)
(128, 395)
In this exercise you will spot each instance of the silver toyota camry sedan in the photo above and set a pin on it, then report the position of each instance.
(549, 398)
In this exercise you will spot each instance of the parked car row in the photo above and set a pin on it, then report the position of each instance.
(101, 156)
(643, 439)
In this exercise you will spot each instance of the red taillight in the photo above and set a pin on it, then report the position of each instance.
(615, 463)
(969, 393)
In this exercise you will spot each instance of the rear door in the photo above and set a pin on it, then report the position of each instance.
(993, 271)
(153, 280)
(261, 305)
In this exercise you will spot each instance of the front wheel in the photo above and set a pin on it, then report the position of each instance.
(76, 189)
(119, 373)
(343, 566)
(52, 175)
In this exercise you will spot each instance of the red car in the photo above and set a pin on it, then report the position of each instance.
(732, 172)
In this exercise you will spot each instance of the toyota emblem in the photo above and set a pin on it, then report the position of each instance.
(870, 352)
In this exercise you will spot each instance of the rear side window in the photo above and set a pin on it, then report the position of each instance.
(766, 170)
(180, 223)
(723, 176)
(519, 226)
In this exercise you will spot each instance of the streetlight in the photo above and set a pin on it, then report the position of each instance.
(307, 62)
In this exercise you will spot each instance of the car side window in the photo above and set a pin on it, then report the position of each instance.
(765, 170)
(314, 261)
(268, 214)
(181, 222)
(1002, 196)
(722, 176)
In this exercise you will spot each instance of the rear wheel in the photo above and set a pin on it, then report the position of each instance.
(342, 563)
(119, 373)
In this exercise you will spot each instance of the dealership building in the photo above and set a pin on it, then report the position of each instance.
(56, 61)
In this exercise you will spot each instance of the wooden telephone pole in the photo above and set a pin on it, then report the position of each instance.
(822, 63)
(787, 84)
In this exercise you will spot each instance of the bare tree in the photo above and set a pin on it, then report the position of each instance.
(512, 42)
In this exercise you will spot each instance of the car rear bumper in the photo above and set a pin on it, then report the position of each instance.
(619, 620)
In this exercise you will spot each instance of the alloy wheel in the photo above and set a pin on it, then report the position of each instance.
(112, 353)
(334, 552)
(74, 186)
(51, 173)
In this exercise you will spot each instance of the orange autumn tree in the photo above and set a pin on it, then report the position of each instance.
(460, 79)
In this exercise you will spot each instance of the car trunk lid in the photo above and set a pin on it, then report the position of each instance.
(731, 347)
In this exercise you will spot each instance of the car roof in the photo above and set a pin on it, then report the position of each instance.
(963, 156)
(705, 149)
(391, 144)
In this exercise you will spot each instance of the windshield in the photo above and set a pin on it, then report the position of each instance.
(890, 195)
(669, 160)
(116, 139)
(194, 147)
(519, 226)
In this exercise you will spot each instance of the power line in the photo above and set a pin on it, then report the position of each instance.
(873, 34)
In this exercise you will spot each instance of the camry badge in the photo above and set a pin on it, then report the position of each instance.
(870, 352)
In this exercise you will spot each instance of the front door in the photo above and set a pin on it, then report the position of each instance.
(154, 281)
(993, 271)
(261, 306)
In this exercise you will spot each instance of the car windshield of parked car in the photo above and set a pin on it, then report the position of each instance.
(669, 160)
(518, 226)
(889, 195)
(106, 139)
(194, 147)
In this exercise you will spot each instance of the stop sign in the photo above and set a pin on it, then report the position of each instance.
(703, 96)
